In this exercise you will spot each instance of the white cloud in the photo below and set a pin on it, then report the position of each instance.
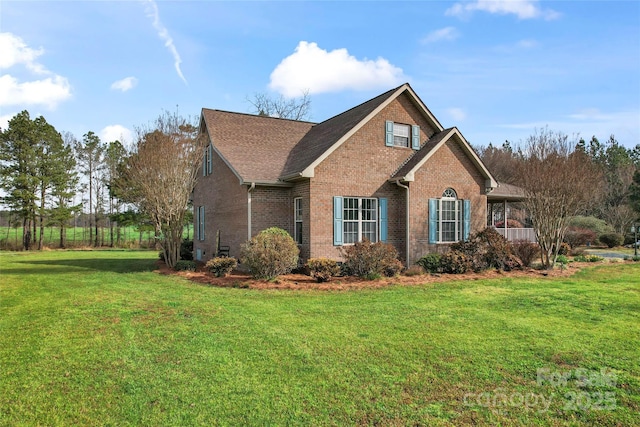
(125, 84)
(163, 33)
(523, 9)
(457, 114)
(49, 91)
(15, 52)
(443, 34)
(116, 132)
(317, 70)
(4, 120)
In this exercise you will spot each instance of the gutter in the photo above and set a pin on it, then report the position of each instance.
(408, 231)
(249, 191)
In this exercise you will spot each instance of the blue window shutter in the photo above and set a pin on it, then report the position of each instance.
(415, 137)
(388, 133)
(204, 164)
(466, 219)
(383, 218)
(433, 219)
(196, 224)
(337, 221)
(209, 156)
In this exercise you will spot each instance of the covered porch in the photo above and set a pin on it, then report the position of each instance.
(507, 215)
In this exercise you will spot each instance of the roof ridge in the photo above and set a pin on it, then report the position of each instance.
(259, 116)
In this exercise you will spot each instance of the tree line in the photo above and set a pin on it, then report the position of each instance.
(50, 178)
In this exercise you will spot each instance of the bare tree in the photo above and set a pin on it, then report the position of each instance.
(160, 175)
(559, 183)
(284, 108)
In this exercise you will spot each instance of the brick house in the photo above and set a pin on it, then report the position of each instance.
(385, 170)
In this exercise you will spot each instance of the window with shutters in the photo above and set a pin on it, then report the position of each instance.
(359, 218)
(449, 218)
(402, 135)
(200, 223)
(207, 166)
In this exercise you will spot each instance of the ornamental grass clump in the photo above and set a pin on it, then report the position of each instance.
(270, 253)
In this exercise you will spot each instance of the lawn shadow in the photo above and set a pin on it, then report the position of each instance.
(126, 265)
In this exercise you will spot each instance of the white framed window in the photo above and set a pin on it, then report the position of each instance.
(401, 135)
(449, 218)
(360, 219)
(297, 215)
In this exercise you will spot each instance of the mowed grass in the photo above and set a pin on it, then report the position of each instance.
(98, 338)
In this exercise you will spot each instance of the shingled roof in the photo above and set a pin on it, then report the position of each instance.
(267, 150)
(256, 148)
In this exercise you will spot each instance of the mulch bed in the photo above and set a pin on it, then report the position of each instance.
(239, 279)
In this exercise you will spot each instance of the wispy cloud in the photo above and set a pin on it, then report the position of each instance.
(523, 9)
(49, 91)
(443, 34)
(163, 33)
(316, 70)
(457, 114)
(125, 84)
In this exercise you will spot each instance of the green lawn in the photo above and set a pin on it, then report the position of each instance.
(97, 338)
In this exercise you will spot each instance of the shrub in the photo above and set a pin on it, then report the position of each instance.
(186, 250)
(588, 258)
(269, 254)
(611, 239)
(322, 269)
(455, 262)
(579, 236)
(562, 260)
(185, 265)
(488, 249)
(366, 259)
(511, 223)
(527, 251)
(221, 266)
(430, 262)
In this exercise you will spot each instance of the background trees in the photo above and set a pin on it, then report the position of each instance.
(294, 108)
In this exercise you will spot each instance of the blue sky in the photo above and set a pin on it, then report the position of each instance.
(497, 70)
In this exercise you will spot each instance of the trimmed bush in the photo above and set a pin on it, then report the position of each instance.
(185, 265)
(526, 251)
(269, 254)
(455, 262)
(612, 239)
(221, 266)
(430, 262)
(323, 269)
(366, 259)
(592, 223)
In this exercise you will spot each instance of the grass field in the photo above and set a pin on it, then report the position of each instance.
(98, 338)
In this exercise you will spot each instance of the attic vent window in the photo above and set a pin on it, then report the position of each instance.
(400, 135)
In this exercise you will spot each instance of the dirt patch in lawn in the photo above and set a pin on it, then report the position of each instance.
(239, 279)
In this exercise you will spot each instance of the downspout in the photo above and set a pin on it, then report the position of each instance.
(249, 190)
(408, 235)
